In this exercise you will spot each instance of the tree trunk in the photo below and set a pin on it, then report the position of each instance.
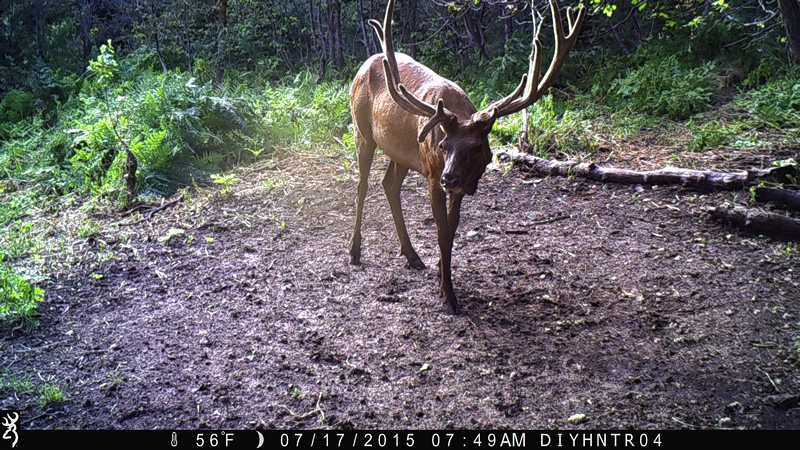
(335, 43)
(38, 24)
(131, 164)
(362, 21)
(790, 11)
(305, 50)
(157, 35)
(409, 26)
(523, 143)
(187, 38)
(618, 37)
(320, 43)
(222, 21)
(85, 22)
(508, 27)
(637, 31)
(475, 33)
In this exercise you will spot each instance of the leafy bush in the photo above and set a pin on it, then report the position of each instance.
(713, 134)
(549, 129)
(775, 104)
(16, 105)
(663, 87)
(172, 124)
(306, 113)
(18, 297)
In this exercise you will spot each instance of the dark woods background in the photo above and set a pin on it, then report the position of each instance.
(47, 40)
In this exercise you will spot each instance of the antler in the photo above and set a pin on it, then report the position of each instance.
(533, 88)
(409, 102)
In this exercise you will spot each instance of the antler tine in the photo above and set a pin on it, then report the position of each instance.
(564, 43)
(502, 103)
(422, 105)
(378, 30)
(403, 98)
(570, 19)
(515, 102)
(534, 88)
(391, 73)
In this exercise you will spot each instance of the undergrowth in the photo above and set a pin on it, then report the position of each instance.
(181, 128)
(19, 297)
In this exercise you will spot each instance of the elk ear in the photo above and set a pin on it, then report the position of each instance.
(443, 117)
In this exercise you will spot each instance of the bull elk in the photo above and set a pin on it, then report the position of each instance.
(426, 123)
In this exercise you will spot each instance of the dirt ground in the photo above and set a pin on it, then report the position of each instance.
(623, 303)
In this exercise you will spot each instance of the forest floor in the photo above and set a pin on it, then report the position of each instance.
(627, 304)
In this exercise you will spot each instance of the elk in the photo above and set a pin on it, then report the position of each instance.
(426, 123)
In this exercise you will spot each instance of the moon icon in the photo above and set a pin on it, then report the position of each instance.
(260, 439)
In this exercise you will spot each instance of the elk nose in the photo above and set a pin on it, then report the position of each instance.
(449, 181)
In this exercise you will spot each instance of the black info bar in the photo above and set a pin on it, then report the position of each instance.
(402, 439)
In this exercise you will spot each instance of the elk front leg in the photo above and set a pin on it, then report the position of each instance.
(392, 182)
(366, 152)
(453, 217)
(454, 213)
(439, 206)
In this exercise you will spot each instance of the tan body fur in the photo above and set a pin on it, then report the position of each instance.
(398, 104)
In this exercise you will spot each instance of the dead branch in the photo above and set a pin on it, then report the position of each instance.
(758, 221)
(789, 198)
(700, 179)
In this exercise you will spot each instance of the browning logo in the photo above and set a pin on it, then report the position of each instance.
(9, 421)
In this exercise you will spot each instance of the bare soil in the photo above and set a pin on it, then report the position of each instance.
(623, 303)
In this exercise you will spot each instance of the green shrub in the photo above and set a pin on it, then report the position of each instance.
(552, 126)
(16, 105)
(663, 87)
(775, 105)
(18, 297)
(306, 113)
(171, 123)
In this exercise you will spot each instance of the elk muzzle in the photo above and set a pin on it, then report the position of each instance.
(450, 181)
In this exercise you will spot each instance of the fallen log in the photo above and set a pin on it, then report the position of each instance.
(789, 198)
(701, 179)
(758, 221)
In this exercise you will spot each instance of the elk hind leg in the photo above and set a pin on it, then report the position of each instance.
(392, 182)
(365, 148)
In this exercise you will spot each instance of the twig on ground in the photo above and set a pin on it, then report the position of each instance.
(153, 211)
(316, 410)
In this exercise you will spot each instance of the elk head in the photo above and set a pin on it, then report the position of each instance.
(466, 143)
(426, 123)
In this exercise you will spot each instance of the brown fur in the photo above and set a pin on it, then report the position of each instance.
(449, 145)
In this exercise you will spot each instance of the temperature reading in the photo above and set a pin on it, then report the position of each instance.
(213, 440)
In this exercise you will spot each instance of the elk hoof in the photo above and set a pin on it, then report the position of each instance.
(355, 259)
(451, 309)
(416, 264)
